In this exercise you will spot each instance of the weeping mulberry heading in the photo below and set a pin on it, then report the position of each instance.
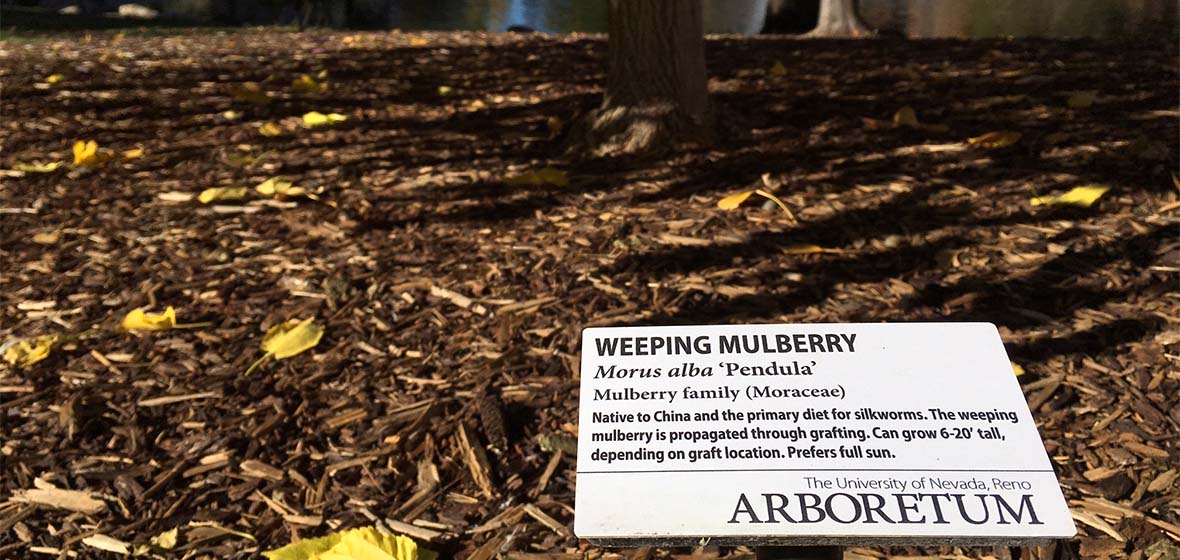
(783, 343)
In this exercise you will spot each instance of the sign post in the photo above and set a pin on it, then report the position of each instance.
(822, 435)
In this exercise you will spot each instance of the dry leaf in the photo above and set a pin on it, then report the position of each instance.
(36, 167)
(539, 178)
(133, 153)
(24, 353)
(446, 91)
(54, 78)
(222, 193)
(1084, 196)
(778, 69)
(366, 543)
(316, 118)
(995, 139)
(137, 320)
(269, 129)
(417, 42)
(1082, 99)
(231, 115)
(1016, 369)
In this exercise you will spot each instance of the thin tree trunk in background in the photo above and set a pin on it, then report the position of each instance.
(837, 18)
(656, 87)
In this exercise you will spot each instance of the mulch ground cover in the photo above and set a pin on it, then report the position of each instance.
(441, 401)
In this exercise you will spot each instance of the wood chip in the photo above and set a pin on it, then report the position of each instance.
(477, 463)
(161, 401)
(258, 469)
(458, 299)
(1146, 450)
(72, 500)
(107, 543)
(1091, 520)
(536, 513)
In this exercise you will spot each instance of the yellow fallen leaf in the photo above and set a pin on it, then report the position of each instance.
(250, 92)
(36, 167)
(85, 153)
(906, 117)
(54, 78)
(734, 200)
(1083, 196)
(133, 153)
(778, 69)
(321, 75)
(555, 125)
(445, 91)
(418, 42)
(279, 187)
(995, 139)
(288, 339)
(269, 129)
(222, 193)
(308, 84)
(1016, 369)
(231, 115)
(292, 337)
(316, 118)
(137, 320)
(24, 353)
(1082, 99)
(365, 543)
(810, 249)
(539, 178)
(167, 540)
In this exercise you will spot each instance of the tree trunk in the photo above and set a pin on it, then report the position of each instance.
(656, 88)
(838, 19)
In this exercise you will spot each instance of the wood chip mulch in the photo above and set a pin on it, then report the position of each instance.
(441, 402)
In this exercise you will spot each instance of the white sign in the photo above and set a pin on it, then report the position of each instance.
(825, 432)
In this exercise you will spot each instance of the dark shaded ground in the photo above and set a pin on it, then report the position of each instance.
(925, 228)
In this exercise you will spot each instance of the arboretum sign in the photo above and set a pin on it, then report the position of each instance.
(818, 433)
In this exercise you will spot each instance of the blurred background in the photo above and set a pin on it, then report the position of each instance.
(1107, 19)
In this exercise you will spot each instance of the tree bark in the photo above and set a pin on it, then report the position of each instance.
(656, 88)
(838, 19)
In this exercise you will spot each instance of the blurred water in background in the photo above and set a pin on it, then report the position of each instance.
(1107, 19)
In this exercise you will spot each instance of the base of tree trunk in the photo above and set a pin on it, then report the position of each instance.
(636, 130)
(847, 29)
